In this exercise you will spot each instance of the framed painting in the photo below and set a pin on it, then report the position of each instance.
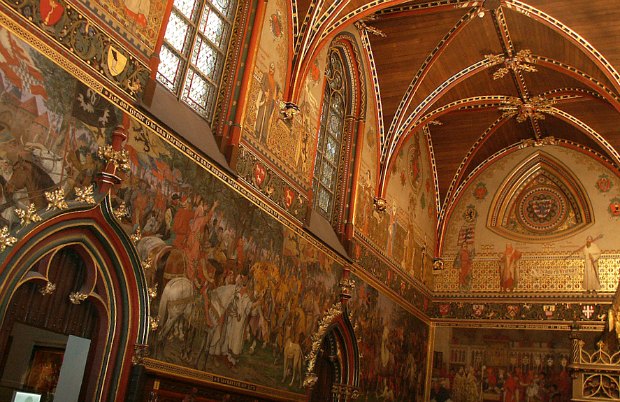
(44, 368)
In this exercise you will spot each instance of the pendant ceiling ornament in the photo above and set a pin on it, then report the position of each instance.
(541, 200)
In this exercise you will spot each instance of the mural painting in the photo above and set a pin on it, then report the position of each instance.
(238, 292)
(538, 205)
(501, 365)
(50, 130)
(141, 19)
(287, 143)
(405, 230)
(234, 291)
(235, 288)
(393, 345)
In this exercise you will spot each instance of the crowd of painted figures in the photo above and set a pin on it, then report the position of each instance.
(515, 384)
(230, 279)
(393, 355)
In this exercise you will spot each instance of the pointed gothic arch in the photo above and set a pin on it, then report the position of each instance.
(346, 83)
(333, 363)
(540, 200)
(113, 283)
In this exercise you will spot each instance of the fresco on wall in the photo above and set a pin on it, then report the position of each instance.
(393, 345)
(287, 143)
(141, 20)
(556, 216)
(50, 129)
(501, 365)
(405, 231)
(236, 289)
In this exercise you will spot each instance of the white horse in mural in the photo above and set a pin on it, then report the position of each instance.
(54, 165)
(215, 338)
(175, 305)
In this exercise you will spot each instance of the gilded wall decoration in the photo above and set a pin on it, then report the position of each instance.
(261, 176)
(137, 21)
(540, 200)
(535, 273)
(522, 311)
(79, 36)
(535, 237)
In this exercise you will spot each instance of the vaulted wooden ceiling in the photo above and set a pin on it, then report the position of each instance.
(482, 77)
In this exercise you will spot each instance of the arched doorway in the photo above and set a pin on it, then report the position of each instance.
(39, 322)
(333, 367)
(75, 282)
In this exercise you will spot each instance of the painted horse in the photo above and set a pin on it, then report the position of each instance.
(33, 178)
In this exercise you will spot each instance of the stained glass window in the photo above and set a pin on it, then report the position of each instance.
(330, 137)
(194, 50)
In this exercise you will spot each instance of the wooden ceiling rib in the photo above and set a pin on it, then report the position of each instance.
(574, 46)
(542, 40)
(595, 20)
(398, 56)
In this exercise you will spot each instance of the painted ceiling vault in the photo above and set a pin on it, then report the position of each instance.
(482, 78)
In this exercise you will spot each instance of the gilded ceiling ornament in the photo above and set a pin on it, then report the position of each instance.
(362, 26)
(77, 297)
(522, 61)
(28, 215)
(530, 108)
(121, 212)
(288, 110)
(85, 194)
(494, 59)
(6, 240)
(48, 289)
(435, 123)
(530, 142)
(380, 204)
(120, 159)
(56, 199)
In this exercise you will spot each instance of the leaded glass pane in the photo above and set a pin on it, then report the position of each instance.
(224, 6)
(336, 105)
(196, 89)
(335, 126)
(212, 26)
(204, 57)
(169, 68)
(196, 38)
(177, 33)
(328, 174)
(336, 82)
(187, 7)
(324, 200)
(317, 169)
(331, 150)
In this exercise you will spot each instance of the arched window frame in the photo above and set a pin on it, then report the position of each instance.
(197, 29)
(344, 48)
